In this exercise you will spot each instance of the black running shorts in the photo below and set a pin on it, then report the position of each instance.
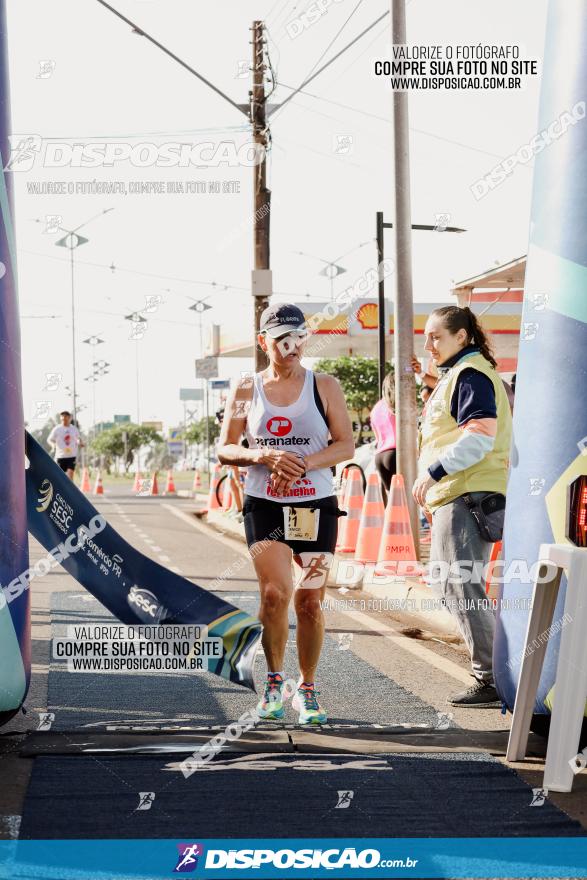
(263, 521)
(66, 464)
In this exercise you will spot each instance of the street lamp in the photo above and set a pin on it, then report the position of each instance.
(332, 269)
(72, 240)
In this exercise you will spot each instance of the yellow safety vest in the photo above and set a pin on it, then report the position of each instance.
(440, 430)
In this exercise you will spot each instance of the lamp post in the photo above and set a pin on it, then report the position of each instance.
(200, 306)
(71, 241)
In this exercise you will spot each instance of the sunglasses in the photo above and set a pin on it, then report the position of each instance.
(294, 334)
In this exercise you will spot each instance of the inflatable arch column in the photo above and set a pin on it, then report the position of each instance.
(550, 416)
(15, 644)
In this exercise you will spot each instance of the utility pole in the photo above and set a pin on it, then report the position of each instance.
(261, 195)
(403, 337)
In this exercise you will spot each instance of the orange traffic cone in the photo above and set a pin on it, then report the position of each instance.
(353, 505)
(495, 553)
(137, 483)
(197, 481)
(397, 552)
(98, 487)
(212, 499)
(154, 484)
(85, 483)
(371, 524)
(170, 486)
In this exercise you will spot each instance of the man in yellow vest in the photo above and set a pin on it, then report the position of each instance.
(464, 448)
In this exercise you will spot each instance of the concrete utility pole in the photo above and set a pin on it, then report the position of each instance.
(261, 195)
(403, 337)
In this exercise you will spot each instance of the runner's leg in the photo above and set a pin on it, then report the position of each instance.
(272, 561)
(308, 596)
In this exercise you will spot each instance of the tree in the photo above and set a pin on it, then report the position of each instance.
(196, 433)
(359, 379)
(110, 443)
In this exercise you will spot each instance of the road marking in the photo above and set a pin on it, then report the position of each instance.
(157, 549)
(164, 558)
(372, 625)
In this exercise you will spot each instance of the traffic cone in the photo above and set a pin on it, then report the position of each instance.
(170, 485)
(154, 484)
(397, 551)
(495, 554)
(98, 487)
(197, 482)
(85, 483)
(212, 499)
(354, 497)
(371, 523)
(137, 483)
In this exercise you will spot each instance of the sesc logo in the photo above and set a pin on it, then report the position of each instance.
(279, 426)
(145, 604)
(45, 496)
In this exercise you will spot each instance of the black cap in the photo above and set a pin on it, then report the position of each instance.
(277, 320)
(65, 412)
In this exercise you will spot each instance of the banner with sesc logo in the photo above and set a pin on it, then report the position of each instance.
(132, 587)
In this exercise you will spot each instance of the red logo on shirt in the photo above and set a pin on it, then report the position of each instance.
(279, 426)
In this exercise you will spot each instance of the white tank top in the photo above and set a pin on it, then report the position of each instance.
(300, 427)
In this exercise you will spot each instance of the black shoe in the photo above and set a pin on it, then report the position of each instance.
(479, 696)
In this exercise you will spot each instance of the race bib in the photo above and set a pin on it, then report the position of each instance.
(300, 523)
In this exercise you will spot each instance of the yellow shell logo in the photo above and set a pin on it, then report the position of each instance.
(367, 316)
(45, 496)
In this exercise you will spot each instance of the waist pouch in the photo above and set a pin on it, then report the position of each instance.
(328, 505)
(489, 513)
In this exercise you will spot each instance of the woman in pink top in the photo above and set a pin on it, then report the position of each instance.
(383, 424)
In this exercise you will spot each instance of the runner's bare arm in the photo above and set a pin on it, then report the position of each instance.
(339, 424)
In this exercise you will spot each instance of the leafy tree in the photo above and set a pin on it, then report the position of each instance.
(159, 458)
(110, 443)
(196, 433)
(359, 379)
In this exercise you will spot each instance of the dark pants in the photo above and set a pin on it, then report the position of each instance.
(385, 467)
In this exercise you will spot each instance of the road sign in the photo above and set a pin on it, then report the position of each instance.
(191, 393)
(118, 420)
(207, 368)
(219, 384)
(175, 441)
(156, 426)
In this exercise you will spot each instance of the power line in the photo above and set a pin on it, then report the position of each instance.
(328, 63)
(133, 136)
(142, 33)
(334, 39)
(383, 119)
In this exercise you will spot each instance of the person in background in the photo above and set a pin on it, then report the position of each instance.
(464, 449)
(65, 440)
(383, 425)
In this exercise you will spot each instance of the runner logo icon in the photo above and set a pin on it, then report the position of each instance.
(188, 857)
(279, 426)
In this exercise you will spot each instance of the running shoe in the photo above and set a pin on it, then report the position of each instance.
(305, 702)
(270, 706)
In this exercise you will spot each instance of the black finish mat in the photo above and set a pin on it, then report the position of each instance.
(286, 795)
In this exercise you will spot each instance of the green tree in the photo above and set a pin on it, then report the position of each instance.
(110, 443)
(359, 379)
(196, 433)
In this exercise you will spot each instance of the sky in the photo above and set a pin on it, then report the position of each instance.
(81, 76)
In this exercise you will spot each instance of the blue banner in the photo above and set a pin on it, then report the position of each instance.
(132, 587)
(15, 636)
(415, 857)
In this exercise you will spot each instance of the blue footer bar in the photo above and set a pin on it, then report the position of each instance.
(304, 858)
